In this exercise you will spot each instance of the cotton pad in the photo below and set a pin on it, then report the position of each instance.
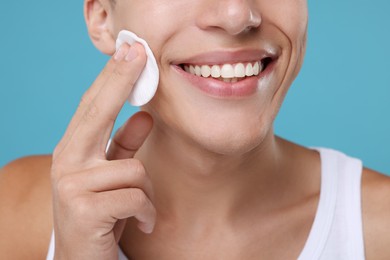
(146, 85)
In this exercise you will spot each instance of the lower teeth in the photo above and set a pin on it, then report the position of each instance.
(230, 80)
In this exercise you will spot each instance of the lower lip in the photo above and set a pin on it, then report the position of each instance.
(220, 89)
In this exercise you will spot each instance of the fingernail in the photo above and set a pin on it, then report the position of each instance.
(146, 228)
(149, 229)
(132, 54)
(119, 54)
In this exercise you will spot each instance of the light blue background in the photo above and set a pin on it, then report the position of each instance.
(340, 100)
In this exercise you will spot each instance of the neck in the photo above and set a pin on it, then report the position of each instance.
(192, 184)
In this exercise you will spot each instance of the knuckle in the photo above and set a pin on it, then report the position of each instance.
(138, 169)
(85, 99)
(83, 207)
(124, 69)
(124, 73)
(58, 159)
(139, 198)
(57, 169)
(66, 186)
(63, 164)
(118, 74)
(92, 112)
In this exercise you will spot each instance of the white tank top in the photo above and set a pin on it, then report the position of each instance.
(337, 231)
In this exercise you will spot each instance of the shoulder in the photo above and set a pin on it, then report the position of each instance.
(25, 206)
(376, 214)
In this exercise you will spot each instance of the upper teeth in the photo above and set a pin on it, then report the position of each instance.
(225, 71)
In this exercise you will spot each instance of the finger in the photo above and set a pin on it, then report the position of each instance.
(125, 203)
(118, 174)
(91, 135)
(129, 138)
(86, 99)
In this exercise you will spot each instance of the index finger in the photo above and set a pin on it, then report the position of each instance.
(90, 136)
(86, 100)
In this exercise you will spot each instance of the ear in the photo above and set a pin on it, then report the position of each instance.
(97, 17)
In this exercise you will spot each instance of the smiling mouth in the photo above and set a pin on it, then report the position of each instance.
(229, 73)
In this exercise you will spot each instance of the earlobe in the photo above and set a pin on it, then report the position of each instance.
(96, 14)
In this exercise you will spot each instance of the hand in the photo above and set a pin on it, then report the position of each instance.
(94, 192)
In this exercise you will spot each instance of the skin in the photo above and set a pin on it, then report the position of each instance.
(205, 189)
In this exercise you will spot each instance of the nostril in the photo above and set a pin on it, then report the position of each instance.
(249, 29)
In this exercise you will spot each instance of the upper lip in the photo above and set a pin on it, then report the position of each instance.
(230, 57)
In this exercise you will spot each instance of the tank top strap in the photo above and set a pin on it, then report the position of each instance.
(337, 231)
(50, 252)
(326, 207)
(348, 225)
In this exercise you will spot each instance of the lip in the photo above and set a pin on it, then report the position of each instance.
(225, 90)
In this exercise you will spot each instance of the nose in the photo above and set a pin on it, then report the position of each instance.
(233, 16)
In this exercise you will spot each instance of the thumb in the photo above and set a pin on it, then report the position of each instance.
(130, 137)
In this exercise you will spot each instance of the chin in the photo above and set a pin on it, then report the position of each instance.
(233, 138)
(209, 124)
(233, 145)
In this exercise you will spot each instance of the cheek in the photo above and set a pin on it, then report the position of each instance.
(290, 16)
(155, 21)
